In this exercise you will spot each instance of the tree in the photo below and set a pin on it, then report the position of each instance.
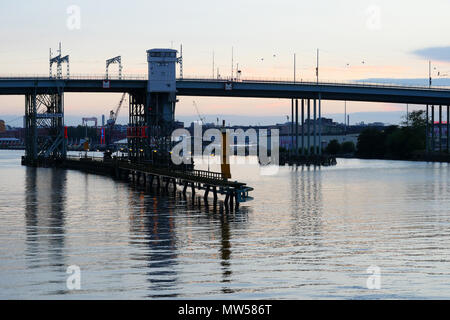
(333, 147)
(415, 119)
(371, 143)
(348, 147)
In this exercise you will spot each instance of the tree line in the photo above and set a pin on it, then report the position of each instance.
(403, 142)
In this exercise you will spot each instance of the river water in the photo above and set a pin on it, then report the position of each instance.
(309, 233)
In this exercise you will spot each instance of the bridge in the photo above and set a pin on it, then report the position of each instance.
(349, 91)
(153, 98)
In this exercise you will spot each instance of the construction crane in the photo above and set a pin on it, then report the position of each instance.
(202, 119)
(112, 120)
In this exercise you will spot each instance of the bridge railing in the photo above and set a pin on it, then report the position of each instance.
(71, 77)
(360, 83)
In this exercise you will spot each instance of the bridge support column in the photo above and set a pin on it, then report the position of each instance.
(166, 187)
(440, 128)
(315, 128)
(292, 128)
(448, 133)
(296, 128)
(215, 194)
(303, 127)
(45, 138)
(137, 128)
(231, 198)
(320, 124)
(227, 200)
(427, 132)
(432, 130)
(193, 190)
(185, 188)
(174, 181)
(308, 128)
(206, 193)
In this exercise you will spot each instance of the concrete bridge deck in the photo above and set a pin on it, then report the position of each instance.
(244, 88)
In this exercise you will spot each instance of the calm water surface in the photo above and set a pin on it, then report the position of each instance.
(309, 233)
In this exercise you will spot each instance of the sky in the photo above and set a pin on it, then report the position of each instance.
(357, 39)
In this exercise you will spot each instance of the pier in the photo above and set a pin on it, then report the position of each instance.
(167, 178)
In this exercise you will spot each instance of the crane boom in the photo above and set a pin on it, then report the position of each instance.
(113, 115)
(198, 112)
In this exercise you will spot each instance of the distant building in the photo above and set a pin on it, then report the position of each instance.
(376, 124)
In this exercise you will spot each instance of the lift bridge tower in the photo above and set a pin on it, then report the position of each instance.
(45, 133)
(151, 113)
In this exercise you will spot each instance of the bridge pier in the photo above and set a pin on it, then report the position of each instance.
(45, 134)
(432, 130)
(206, 192)
(215, 194)
(296, 128)
(308, 151)
(193, 190)
(448, 133)
(185, 188)
(174, 181)
(166, 187)
(427, 131)
(158, 182)
(291, 149)
(303, 127)
(315, 128)
(320, 124)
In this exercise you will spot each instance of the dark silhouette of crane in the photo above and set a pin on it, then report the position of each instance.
(112, 122)
(202, 119)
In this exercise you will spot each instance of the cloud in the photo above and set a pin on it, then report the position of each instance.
(434, 53)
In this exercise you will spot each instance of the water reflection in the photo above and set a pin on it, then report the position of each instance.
(306, 202)
(225, 253)
(44, 215)
(156, 219)
(152, 226)
(309, 233)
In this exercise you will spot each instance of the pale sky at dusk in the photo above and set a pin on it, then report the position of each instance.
(395, 39)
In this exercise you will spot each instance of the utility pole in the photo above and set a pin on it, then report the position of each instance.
(317, 67)
(429, 73)
(232, 62)
(294, 66)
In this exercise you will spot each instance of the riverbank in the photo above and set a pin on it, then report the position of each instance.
(444, 158)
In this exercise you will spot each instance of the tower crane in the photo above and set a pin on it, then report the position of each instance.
(112, 120)
(202, 119)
